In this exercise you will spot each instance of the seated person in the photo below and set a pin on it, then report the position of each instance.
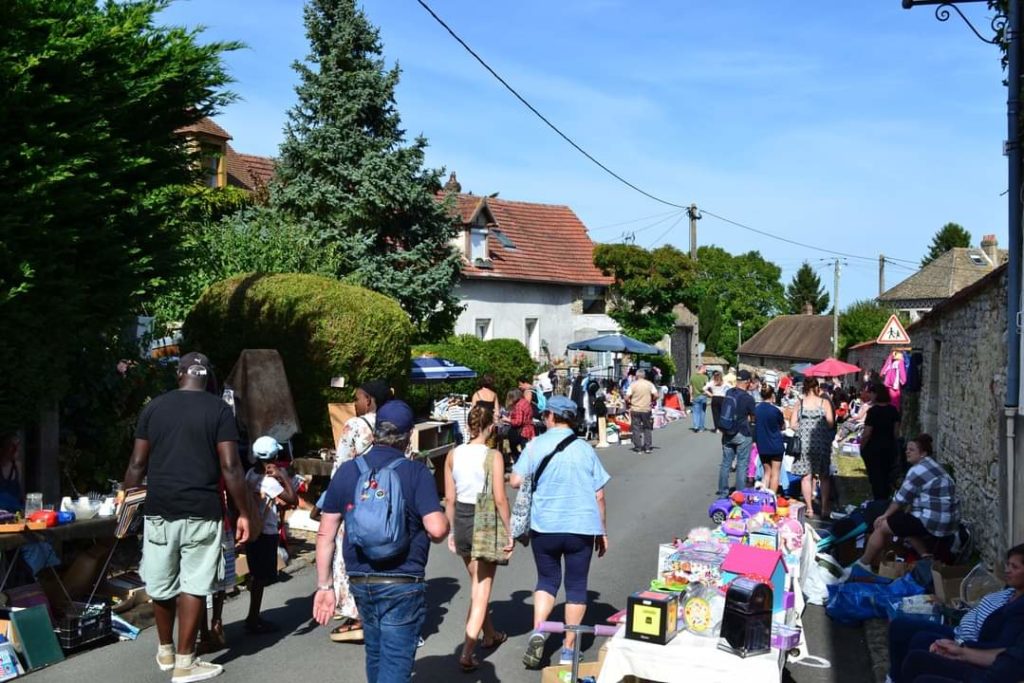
(993, 623)
(951, 663)
(924, 511)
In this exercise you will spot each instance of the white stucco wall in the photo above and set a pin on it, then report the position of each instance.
(508, 305)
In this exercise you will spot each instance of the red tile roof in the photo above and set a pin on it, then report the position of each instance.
(551, 242)
(248, 170)
(205, 126)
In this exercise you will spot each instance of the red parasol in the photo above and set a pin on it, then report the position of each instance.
(830, 367)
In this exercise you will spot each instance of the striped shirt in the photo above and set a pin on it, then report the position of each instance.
(930, 493)
(969, 629)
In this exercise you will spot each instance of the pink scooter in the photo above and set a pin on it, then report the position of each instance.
(599, 631)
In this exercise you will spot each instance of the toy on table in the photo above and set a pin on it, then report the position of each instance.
(749, 501)
(652, 617)
(702, 608)
(696, 563)
(767, 566)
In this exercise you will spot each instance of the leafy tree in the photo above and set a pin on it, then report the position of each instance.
(648, 285)
(805, 288)
(346, 175)
(948, 236)
(727, 289)
(92, 93)
(861, 321)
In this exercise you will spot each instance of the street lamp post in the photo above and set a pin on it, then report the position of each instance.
(739, 340)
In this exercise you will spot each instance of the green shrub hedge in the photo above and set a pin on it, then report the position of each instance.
(505, 359)
(321, 327)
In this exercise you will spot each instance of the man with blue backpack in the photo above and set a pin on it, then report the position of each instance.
(734, 422)
(391, 513)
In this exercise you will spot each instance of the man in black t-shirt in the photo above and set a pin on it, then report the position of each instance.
(185, 441)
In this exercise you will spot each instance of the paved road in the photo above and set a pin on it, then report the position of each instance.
(650, 499)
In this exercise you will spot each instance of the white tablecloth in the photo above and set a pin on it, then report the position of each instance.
(687, 657)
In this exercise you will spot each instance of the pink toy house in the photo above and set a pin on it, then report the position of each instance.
(763, 565)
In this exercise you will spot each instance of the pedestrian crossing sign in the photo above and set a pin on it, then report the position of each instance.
(893, 332)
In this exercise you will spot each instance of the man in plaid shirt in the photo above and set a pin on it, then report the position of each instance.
(924, 510)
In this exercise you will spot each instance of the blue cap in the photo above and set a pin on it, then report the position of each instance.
(397, 413)
(561, 406)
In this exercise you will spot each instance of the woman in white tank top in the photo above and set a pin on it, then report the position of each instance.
(464, 477)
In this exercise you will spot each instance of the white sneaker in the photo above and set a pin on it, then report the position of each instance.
(189, 669)
(165, 660)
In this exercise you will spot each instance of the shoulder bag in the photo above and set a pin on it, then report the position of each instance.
(520, 518)
(488, 544)
(796, 445)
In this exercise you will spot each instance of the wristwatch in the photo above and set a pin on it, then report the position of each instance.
(326, 587)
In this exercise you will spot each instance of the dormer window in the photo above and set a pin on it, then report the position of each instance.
(213, 166)
(478, 244)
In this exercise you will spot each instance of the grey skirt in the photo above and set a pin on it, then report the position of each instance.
(465, 513)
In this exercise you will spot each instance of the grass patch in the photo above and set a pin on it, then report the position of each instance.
(852, 479)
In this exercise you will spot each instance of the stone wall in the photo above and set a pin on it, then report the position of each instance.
(963, 388)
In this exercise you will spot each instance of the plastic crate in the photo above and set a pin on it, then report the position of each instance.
(82, 624)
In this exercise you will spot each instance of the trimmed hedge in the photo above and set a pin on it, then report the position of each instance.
(321, 327)
(505, 359)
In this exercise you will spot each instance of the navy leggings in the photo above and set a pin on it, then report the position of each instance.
(548, 551)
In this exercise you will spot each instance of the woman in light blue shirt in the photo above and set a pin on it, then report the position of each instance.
(567, 520)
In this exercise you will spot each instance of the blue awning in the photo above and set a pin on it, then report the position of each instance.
(429, 369)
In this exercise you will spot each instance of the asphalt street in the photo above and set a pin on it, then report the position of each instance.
(651, 499)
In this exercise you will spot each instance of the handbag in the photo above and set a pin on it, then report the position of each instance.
(796, 444)
(520, 517)
(488, 544)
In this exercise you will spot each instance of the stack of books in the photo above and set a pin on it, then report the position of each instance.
(129, 514)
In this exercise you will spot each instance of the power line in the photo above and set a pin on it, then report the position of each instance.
(543, 118)
(667, 230)
(635, 220)
(608, 170)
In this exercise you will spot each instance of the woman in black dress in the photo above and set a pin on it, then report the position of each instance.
(878, 446)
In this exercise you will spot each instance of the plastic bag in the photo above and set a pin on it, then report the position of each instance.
(818, 576)
(978, 583)
(852, 603)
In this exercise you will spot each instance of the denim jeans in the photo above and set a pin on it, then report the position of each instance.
(700, 404)
(393, 616)
(735, 448)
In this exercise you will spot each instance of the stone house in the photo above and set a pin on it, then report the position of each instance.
(868, 356)
(528, 274)
(787, 340)
(944, 277)
(962, 342)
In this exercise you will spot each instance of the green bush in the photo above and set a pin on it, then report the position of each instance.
(505, 359)
(321, 327)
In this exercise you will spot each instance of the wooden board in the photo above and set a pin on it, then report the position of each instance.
(340, 414)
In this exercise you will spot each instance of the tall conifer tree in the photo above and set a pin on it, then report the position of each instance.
(805, 288)
(347, 175)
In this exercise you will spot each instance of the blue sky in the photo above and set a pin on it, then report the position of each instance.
(855, 126)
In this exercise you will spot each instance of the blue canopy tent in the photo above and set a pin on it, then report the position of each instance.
(429, 369)
(616, 343)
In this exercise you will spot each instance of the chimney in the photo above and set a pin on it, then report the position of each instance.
(452, 185)
(990, 245)
(808, 308)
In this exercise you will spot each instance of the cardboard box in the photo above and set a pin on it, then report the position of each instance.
(946, 580)
(562, 674)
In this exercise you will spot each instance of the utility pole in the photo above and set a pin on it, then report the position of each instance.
(694, 217)
(881, 274)
(835, 312)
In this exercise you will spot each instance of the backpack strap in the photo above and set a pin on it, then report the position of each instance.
(361, 464)
(544, 463)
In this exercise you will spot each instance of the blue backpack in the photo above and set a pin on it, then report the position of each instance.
(376, 524)
(728, 420)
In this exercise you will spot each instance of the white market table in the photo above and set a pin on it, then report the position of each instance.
(695, 658)
(686, 657)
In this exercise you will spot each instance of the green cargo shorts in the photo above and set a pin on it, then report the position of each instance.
(181, 556)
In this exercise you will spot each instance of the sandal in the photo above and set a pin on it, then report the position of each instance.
(350, 630)
(499, 638)
(469, 665)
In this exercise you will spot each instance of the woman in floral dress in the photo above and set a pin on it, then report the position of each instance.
(814, 421)
(356, 439)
